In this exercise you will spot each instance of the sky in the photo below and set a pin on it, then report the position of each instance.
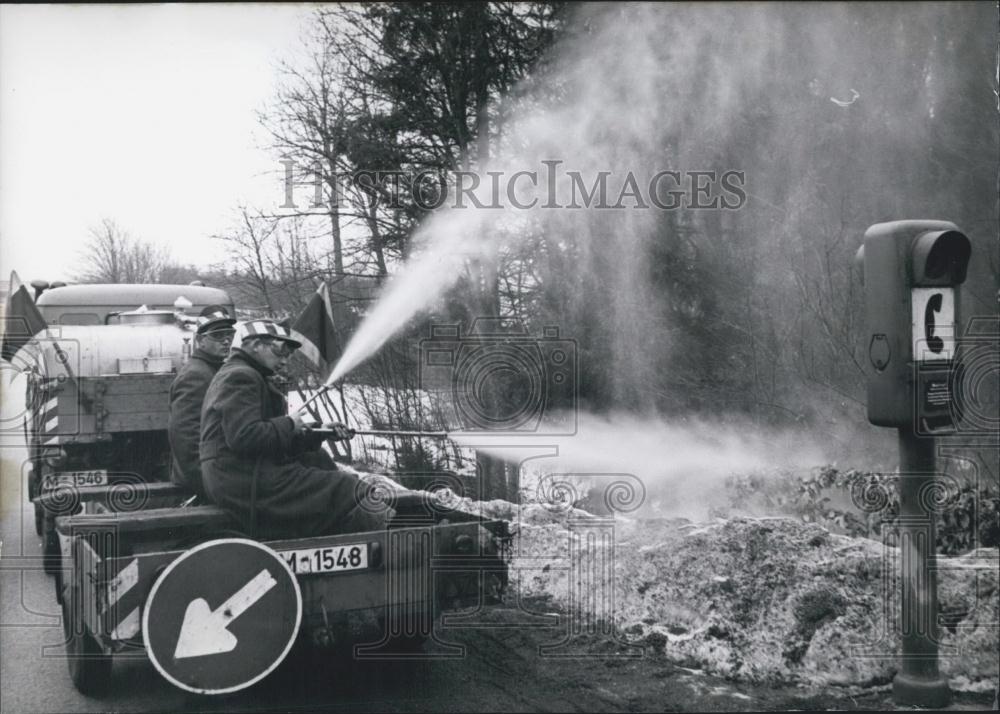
(142, 114)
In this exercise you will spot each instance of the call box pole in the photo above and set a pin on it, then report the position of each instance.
(918, 681)
(912, 270)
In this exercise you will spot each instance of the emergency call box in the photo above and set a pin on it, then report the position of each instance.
(911, 272)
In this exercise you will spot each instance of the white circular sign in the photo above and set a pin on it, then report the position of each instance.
(222, 616)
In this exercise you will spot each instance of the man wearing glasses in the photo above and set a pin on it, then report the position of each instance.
(258, 460)
(212, 340)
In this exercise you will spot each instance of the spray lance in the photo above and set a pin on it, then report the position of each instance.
(339, 433)
(334, 433)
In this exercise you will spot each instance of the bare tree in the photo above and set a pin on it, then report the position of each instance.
(272, 262)
(314, 126)
(113, 255)
(248, 245)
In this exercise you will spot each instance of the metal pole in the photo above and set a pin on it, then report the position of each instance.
(389, 432)
(918, 681)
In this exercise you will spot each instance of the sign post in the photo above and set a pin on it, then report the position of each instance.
(912, 270)
(222, 616)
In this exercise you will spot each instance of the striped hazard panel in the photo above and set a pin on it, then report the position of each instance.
(126, 583)
(120, 619)
(49, 421)
(44, 402)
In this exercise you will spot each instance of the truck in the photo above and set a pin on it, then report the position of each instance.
(97, 397)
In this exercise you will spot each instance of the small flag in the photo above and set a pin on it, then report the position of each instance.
(316, 328)
(21, 319)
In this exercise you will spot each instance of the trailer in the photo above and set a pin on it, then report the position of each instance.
(384, 588)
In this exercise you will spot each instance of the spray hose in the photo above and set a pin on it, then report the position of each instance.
(385, 432)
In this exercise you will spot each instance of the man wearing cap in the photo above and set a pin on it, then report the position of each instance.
(212, 339)
(255, 456)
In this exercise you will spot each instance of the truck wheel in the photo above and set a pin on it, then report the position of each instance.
(60, 584)
(89, 666)
(51, 552)
(39, 518)
(33, 492)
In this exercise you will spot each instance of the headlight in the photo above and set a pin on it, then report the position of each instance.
(56, 458)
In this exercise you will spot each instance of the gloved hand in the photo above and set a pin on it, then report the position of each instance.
(340, 431)
(302, 420)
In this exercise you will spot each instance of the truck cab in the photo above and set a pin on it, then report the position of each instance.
(100, 304)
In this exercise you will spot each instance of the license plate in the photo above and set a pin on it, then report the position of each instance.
(331, 559)
(76, 479)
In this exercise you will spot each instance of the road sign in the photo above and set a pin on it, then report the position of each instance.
(222, 616)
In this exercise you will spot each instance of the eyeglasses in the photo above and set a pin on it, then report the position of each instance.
(280, 349)
(220, 337)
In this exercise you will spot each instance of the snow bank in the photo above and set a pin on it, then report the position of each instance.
(777, 600)
(767, 600)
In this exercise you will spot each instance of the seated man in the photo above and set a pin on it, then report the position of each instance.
(212, 340)
(256, 458)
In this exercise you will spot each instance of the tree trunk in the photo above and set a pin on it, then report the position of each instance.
(376, 240)
(334, 211)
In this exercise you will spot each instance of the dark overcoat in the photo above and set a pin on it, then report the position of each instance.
(187, 393)
(245, 429)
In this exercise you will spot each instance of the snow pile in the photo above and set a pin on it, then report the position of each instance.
(768, 600)
(779, 600)
(764, 600)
